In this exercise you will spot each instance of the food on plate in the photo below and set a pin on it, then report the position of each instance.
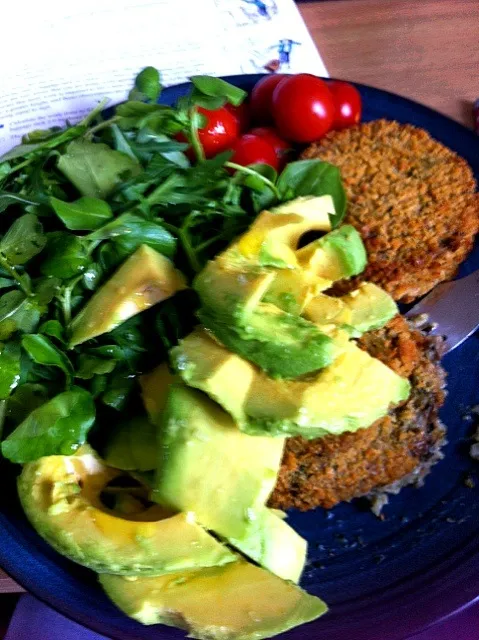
(396, 450)
(348, 104)
(143, 280)
(236, 602)
(61, 496)
(303, 108)
(190, 341)
(411, 198)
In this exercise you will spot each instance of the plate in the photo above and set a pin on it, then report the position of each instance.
(382, 579)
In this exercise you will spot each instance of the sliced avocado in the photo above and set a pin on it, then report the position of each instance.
(350, 394)
(237, 601)
(293, 289)
(207, 466)
(154, 389)
(132, 445)
(273, 237)
(144, 279)
(232, 294)
(61, 497)
(366, 308)
(371, 307)
(337, 255)
(275, 546)
(282, 344)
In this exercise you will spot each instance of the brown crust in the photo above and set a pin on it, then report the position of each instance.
(412, 199)
(329, 470)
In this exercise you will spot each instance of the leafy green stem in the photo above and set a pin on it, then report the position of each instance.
(194, 137)
(22, 281)
(66, 299)
(256, 174)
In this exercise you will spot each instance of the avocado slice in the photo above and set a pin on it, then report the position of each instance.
(237, 601)
(273, 237)
(366, 308)
(61, 497)
(337, 255)
(274, 545)
(282, 344)
(155, 386)
(144, 279)
(207, 466)
(132, 445)
(350, 394)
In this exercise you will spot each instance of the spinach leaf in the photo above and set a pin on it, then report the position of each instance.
(147, 85)
(42, 351)
(314, 178)
(23, 240)
(94, 168)
(9, 368)
(217, 88)
(84, 214)
(65, 255)
(129, 231)
(57, 427)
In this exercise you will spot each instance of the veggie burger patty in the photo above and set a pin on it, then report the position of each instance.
(396, 450)
(412, 199)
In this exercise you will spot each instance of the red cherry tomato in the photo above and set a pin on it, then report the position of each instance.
(347, 102)
(241, 113)
(303, 108)
(261, 96)
(219, 133)
(251, 149)
(280, 146)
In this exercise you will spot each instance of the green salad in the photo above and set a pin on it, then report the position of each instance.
(166, 323)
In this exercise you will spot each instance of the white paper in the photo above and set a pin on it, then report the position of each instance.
(61, 58)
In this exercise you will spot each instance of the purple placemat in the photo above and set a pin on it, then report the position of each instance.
(33, 620)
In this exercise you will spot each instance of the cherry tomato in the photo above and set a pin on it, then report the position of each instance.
(251, 149)
(347, 102)
(261, 96)
(303, 108)
(280, 146)
(219, 133)
(241, 113)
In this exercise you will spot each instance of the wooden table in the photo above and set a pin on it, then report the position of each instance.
(427, 50)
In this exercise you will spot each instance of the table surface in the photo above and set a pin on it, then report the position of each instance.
(427, 50)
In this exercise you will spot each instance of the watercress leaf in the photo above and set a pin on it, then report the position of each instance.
(25, 399)
(7, 199)
(92, 276)
(5, 169)
(210, 86)
(20, 151)
(94, 168)
(57, 427)
(84, 214)
(314, 178)
(23, 240)
(128, 232)
(42, 351)
(207, 102)
(46, 289)
(147, 85)
(119, 388)
(65, 255)
(107, 351)
(121, 142)
(54, 329)
(6, 283)
(17, 312)
(9, 368)
(89, 366)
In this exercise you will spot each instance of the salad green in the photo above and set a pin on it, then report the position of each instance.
(75, 203)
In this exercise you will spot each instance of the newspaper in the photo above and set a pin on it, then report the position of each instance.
(61, 58)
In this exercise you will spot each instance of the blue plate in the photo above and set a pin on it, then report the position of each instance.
(382, 579)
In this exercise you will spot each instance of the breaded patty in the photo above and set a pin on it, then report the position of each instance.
(412, 199)
(400, 447)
